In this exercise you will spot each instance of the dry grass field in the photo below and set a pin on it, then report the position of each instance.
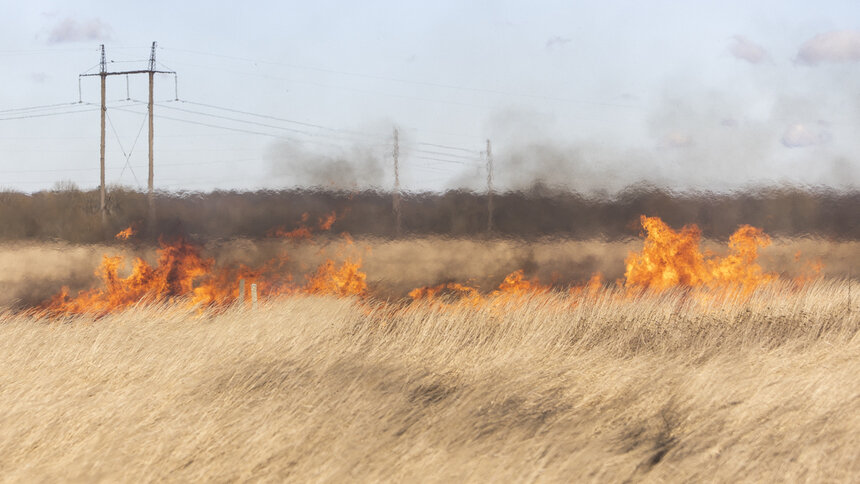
(545, 388)
(33, 272)
(709, 363)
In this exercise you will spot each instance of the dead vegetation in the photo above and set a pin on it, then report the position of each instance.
(547, 388)
(33, 273)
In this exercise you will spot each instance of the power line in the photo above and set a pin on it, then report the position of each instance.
(447, 147)
(463, 163)
(433, 169)
(29, 116)
(255, 123)
(440, 153)
(187, 163)
(38, 108)
(239, 130)
(275, 118)
(304, 123)
(409, 81)
(41, 51)
(362, 91)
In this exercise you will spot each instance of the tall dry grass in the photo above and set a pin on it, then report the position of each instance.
(32, 273)
(657, 388)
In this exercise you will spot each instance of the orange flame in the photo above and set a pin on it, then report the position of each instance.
(590, 289)
(303, 232)
(183, 273)
(179, 264)
(126, 233)
(812, 269)
(670, 259)
(346, 280)
(513, 286)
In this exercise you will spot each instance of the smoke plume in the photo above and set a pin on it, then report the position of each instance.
(357, 168)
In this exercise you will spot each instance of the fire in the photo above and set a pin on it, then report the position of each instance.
(344, 280)
(671, 259)
(182, 273)
(590, 289)
(812, 269)
(513, 286)
(179, 264)
(303, 232)
(126, 233)
(326, 222)
(668, 259)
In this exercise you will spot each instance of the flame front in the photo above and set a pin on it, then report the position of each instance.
(182, 273)
(672, 259)
(668, 259)
(179, 265)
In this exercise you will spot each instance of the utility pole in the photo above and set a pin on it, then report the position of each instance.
(396, 195)
(489, 188)
(103, 73)
(150, 195)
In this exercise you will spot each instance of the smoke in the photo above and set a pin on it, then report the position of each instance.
(837, 46)
(802, 135)
(744, 49)
(72, 30)
(355, 168)
(721, 139)
(679, 145)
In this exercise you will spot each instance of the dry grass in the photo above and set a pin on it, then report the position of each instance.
(33, 272)
(324, 390)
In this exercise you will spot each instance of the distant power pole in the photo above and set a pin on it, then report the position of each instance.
(396, 194)
(150, 194)
(103, 73)
(489, 188)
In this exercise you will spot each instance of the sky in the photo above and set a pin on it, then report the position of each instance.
(591, 96)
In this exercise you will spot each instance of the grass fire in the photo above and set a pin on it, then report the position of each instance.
(669, 259)
(670, 356)
(442, 242)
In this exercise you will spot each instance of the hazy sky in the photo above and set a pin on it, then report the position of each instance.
(592, 95)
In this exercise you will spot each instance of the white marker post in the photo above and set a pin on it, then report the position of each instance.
(253, 296)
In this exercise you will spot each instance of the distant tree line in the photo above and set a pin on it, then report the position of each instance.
(72, 215)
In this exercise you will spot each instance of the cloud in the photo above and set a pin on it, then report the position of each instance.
(744, 49)
(557, 42)
(837, 46)
(802, 135)
(71, 30)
